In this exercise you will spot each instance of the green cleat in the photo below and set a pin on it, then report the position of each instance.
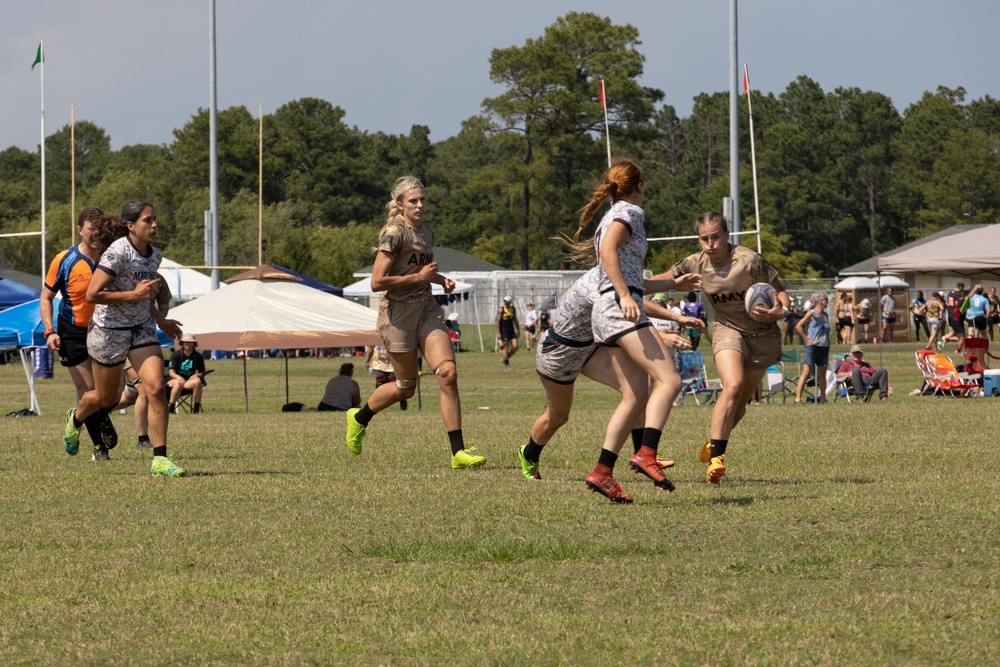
(355, 432)
(528, 469)
(71, 436)
(167, 468)
(465, 459)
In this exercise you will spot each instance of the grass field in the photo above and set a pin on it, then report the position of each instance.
(843, 534)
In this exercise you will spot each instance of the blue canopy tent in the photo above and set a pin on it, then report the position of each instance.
(21, 329)
(312, 282)
(14, 294)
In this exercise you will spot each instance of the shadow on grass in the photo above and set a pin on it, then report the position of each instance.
(225, 473)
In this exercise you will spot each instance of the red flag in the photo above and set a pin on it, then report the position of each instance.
(746, 79)
(604, 104)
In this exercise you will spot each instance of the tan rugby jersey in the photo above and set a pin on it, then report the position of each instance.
(411, 248)
(726, 285)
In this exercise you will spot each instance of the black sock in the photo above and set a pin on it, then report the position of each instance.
(76, 422)
(719, 447)
(160, 451)
(637, 434)
(651, 438)
(457, 443)
(93, 424)
(144, 438)
(364, 415)
(532, 451)
(608, 458)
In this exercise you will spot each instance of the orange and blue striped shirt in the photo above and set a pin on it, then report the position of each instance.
(69, 274)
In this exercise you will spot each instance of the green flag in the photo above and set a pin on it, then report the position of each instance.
(38, 57)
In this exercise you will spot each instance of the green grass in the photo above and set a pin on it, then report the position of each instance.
(843, 534)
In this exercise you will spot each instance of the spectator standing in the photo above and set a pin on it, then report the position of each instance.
(530, 321)
(508, 331)
(887, 304)
(993, 318)
(918, 308)
(814, 327)
(975, 315)
(696, 309)
(935, 314)
(956, 318)
(845, 318)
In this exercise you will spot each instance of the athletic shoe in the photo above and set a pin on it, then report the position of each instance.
(705, 453)
(506, 365)
(71, 435)
(167, 468)
(143, 444)
(355, 432)
(464, 458)
(647, 465)
(108, 433)
(100, 453)
(716, 469)
(665, 463)
(608, 487)
(528, 469)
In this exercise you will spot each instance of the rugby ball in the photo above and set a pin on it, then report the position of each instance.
(760, 294)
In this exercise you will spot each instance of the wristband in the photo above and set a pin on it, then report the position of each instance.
(49, 332)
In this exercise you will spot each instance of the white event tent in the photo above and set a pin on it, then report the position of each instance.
(275, 314)
(185, 284)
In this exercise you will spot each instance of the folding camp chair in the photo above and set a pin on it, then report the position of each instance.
(954, 383)
(185, 401)
(977, 354)
(694, 378)
(791, 362)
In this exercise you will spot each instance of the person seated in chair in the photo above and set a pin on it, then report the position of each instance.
(187, 373)
(863, 375)
(342, 392)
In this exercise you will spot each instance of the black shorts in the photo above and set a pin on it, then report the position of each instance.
(506, 335)
(72, 343)
(530, 329)
(958, 326)
(845, 322)
(979, 322)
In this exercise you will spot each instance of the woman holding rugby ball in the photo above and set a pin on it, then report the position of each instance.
(743, 344)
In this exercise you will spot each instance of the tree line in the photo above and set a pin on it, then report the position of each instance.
(842, 174)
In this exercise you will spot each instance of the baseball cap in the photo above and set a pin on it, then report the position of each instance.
(188, 338)
(506, 299)
(856, 348)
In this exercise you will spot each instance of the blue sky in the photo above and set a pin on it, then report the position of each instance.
(139, 68)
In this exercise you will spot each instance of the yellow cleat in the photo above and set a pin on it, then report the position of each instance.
(716, 469)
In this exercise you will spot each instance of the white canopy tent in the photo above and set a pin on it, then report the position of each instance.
(863, 282)
(275, 314)
(185, 284)
(362, 289)
(970, 253)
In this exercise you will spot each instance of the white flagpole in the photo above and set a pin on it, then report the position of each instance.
(607, 128)
(41, 47)
(753, 153)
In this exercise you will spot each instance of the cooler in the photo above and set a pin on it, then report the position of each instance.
(991, 382)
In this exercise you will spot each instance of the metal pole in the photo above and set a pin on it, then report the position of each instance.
(213, 140)
(42, 49)
(734, 123)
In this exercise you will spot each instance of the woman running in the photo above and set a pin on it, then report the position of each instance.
(743, 346)
(124, 327)
(619, 321)
(409, 319)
